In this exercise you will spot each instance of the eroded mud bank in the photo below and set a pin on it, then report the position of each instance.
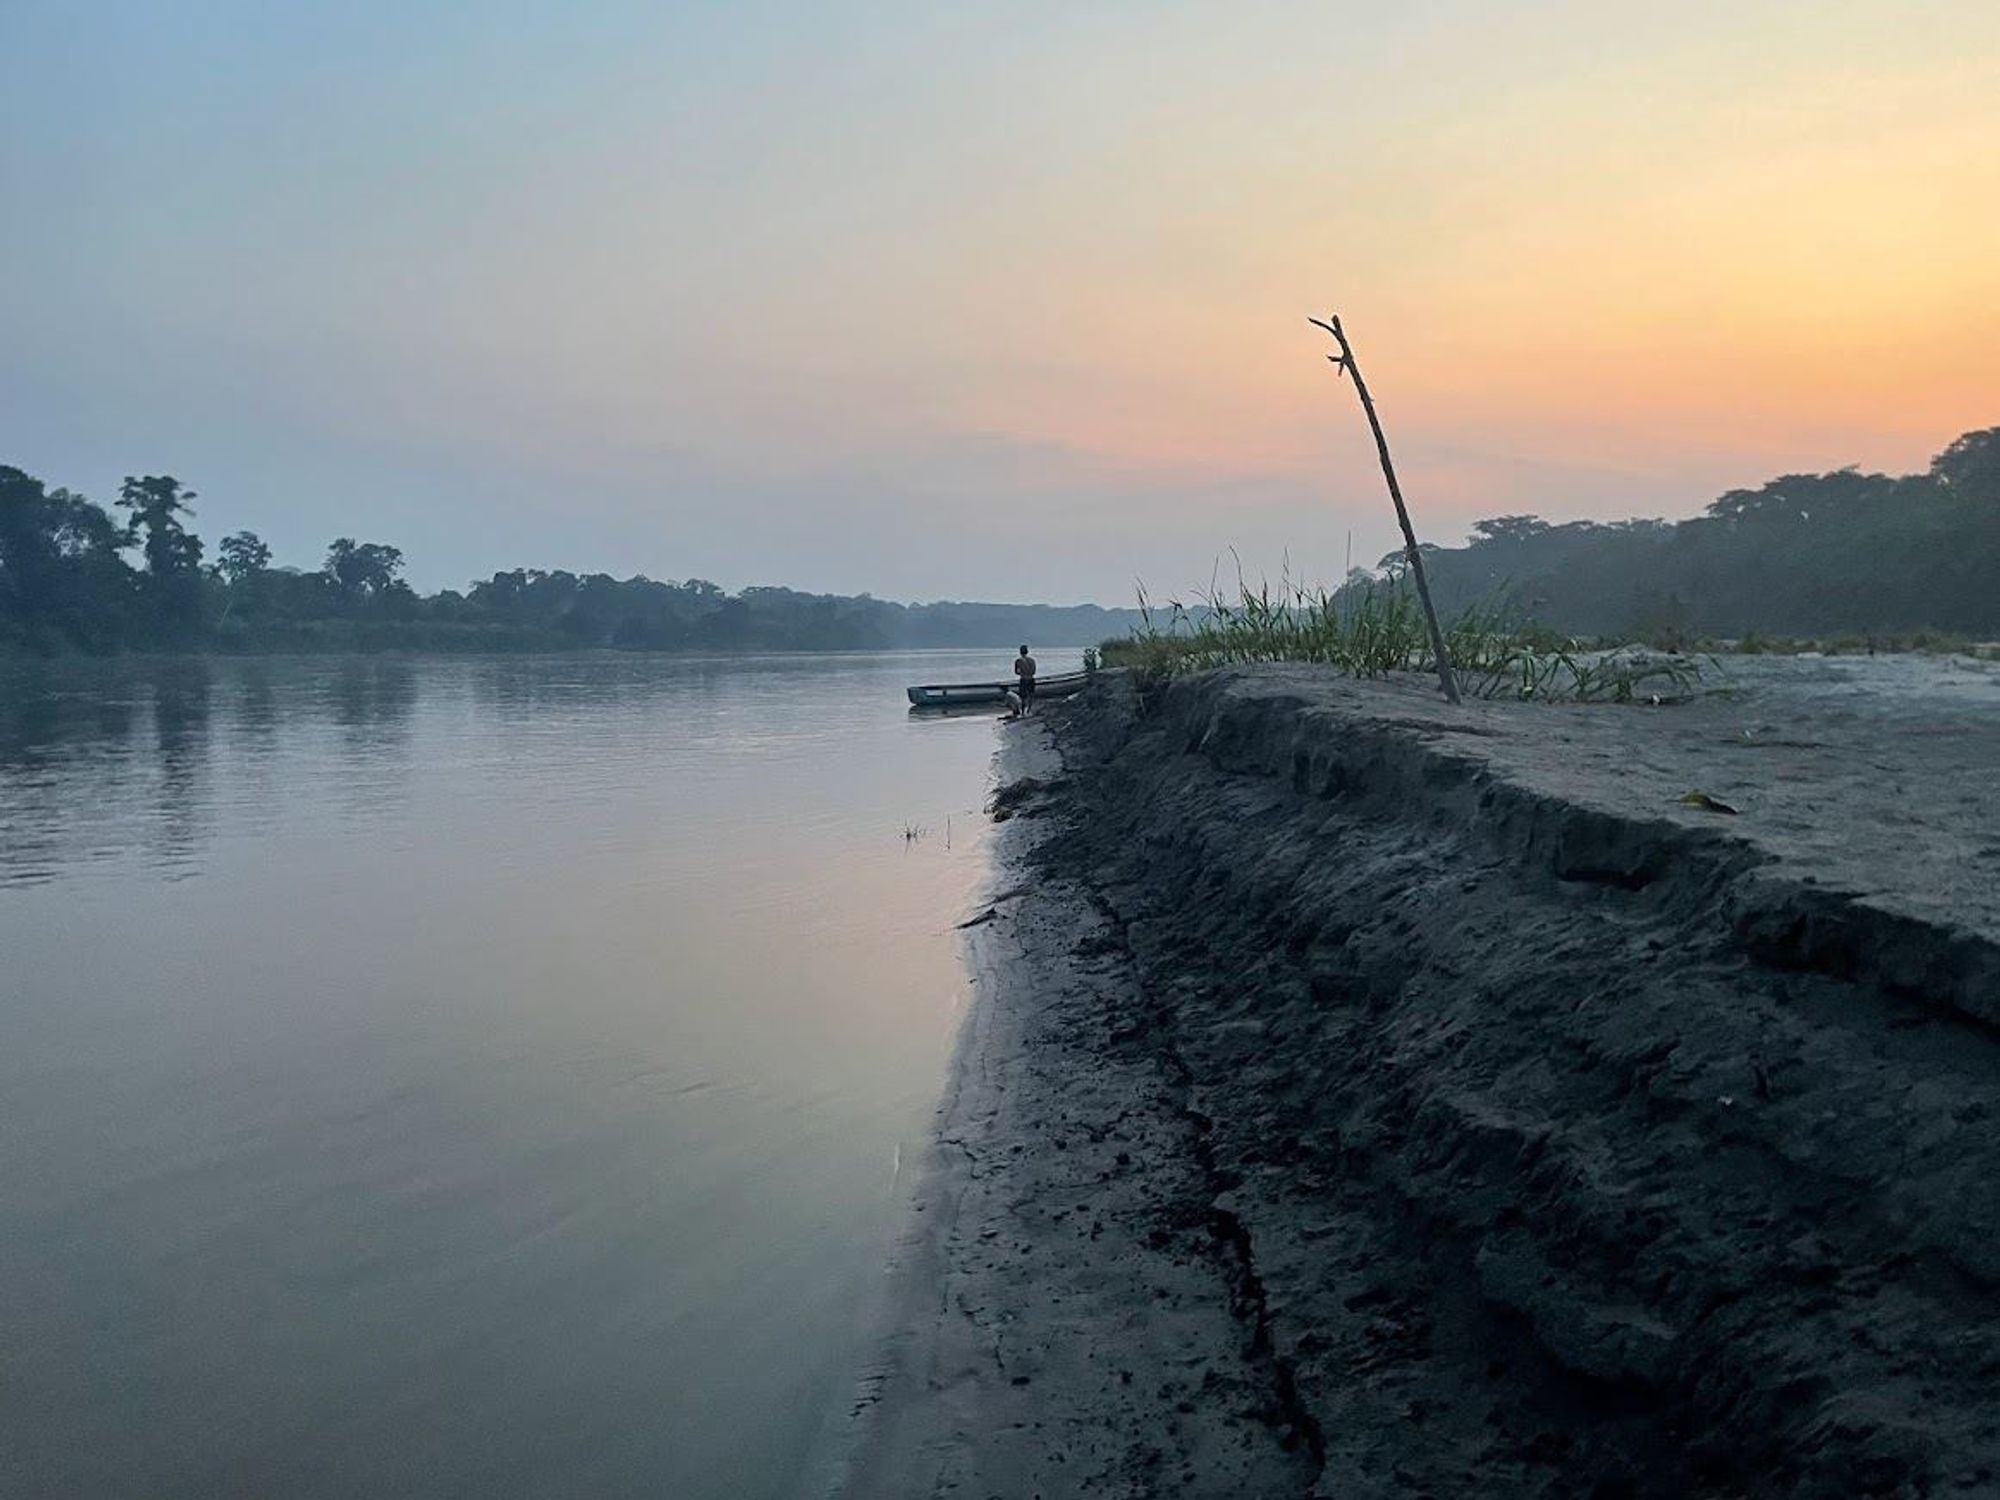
(1490, 1122)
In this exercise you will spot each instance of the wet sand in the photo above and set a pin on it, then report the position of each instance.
(1367, 1097)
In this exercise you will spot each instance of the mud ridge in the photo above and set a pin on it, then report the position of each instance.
(1249, 1301)
(1565, 1143)
(1398, 765)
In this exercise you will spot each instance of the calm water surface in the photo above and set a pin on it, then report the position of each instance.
(462, 1077)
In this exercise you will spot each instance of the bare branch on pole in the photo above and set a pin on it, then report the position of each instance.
(1344, 363)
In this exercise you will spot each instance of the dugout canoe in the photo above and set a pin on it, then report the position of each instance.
(955, 694)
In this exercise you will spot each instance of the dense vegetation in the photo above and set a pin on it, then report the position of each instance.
(1541, 611)
(1869, 555)
(1372, 631)
(76, 577)
(1804, 555)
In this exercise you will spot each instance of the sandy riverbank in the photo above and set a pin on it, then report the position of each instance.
(1366, 1097)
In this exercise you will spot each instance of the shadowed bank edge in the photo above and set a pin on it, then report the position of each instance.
(1367, 1097)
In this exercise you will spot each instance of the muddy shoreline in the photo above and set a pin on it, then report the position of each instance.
(1365, 1097)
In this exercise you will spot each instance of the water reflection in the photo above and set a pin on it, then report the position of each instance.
(372, 698)
(497, 1080)
(44, 707)
(67, 739)
(103, 759)
(254, 706)
(181, 701)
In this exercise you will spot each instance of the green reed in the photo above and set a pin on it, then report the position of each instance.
(1377, 630)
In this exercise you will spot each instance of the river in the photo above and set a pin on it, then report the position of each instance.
(463, 1077)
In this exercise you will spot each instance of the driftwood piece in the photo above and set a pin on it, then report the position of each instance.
(1344, 362)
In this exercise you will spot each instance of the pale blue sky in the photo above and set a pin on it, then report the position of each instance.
(979, 300)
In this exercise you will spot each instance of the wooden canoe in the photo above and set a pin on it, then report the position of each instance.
(954, 694)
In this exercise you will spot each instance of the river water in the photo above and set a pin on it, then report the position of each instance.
(482, 1077)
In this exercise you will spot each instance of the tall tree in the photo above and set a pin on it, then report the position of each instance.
(362, 570)
(27, 550)
(1970, 466)
(173, 553)
(243, 563)
(61, 578)
(241, 558)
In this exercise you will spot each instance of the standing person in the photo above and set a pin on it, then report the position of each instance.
(1024, 674)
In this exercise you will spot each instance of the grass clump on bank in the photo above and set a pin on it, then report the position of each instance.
(1375, 631)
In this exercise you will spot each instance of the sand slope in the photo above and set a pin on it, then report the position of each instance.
(1065, 1320)
(1426, 1101)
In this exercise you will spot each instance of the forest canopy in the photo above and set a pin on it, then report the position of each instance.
(76, 577)
(1804, 555)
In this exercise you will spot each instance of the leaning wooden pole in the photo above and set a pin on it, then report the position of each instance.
(1344, 362)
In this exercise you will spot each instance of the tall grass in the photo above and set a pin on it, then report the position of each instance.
(1377, 630)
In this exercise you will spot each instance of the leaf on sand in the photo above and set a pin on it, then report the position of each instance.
(1707, 803)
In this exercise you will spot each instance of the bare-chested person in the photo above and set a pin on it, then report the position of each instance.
(1024, 679)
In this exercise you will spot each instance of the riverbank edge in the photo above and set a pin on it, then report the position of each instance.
(1007, 1360)
(1246, 757)
(904, 1324)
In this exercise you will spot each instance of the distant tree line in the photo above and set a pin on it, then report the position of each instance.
(1804, 555)
(75, 577)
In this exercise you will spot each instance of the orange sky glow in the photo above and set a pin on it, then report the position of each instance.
(885, 300)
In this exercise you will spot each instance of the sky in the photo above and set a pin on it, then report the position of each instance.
(982, 301)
